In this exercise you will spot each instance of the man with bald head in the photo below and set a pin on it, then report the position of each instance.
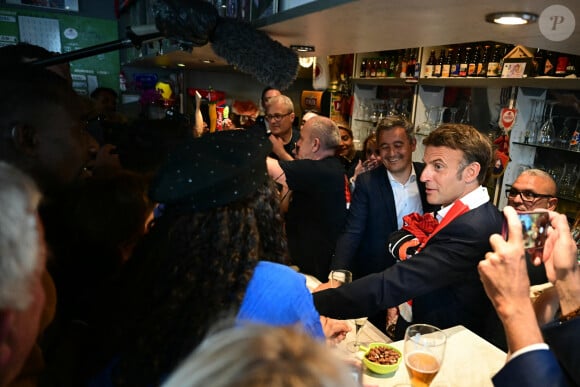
(533, 189)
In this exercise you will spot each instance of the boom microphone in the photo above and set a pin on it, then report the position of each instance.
(240, 44)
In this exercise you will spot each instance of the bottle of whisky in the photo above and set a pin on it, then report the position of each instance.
(430, 66)
(439, 65)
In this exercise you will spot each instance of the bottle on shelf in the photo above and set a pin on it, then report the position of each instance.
(411, 63)
(368, 68)
(483, 61)
(417, 73)
(465, 61)
(430, 66)
(393, 65)
(404, 64)
(363, 68)
(438, 68)
(571, 68)
(473, 61)
(456, 64)
(539, 62)
(446, 66)
(493, 64)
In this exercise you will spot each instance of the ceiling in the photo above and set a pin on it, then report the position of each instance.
(350, 26)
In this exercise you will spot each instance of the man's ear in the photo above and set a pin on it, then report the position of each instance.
(552, 204)
(6, 320)
(471, 172)
(315, 144)
(24, 138)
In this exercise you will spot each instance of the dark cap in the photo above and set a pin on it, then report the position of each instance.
(213, 170)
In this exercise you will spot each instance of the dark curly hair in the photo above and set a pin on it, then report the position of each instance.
(191, 270)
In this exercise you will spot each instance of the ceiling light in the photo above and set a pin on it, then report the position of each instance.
(302, 48)
(306, 61)
(181, 65)
(207, 61)
(511, 18)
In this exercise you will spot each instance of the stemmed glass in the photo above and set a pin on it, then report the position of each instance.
(532, 126)
(547, 131)
(423, 350)
(359, 323)
(440, 113)
(427, 125)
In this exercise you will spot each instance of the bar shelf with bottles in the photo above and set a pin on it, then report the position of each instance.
(471, 65)
(388, 68)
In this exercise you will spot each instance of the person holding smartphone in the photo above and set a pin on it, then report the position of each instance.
(533, 189)
(533, 350)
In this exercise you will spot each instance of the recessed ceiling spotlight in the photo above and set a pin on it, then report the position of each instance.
(181, 65)
(302, 48)
(511, 18)
(207, 61)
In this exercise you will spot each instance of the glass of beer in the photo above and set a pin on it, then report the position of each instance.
(423, 352)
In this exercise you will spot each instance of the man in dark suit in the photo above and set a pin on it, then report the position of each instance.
(381, 199)
(504, 275)
(442, 278)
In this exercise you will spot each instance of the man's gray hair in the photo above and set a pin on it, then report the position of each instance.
(326, 130)
(19, 239)
(281, 99)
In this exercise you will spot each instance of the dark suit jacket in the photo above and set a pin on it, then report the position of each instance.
(362, 246)
(532, 369)
(442, 280)
(564, 339)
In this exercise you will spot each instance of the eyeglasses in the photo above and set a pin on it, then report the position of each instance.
(276, 117)
(526, 196)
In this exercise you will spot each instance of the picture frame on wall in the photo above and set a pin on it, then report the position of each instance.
(63, 5)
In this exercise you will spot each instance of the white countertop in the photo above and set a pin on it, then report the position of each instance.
(469, 361)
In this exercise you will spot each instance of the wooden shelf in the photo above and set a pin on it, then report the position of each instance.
(540, 83)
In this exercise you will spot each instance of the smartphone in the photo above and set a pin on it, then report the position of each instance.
(534, 230)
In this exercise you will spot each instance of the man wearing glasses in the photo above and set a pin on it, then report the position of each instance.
(533, 189)
(280, 116)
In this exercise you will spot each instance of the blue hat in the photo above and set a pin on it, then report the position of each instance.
(211, 171)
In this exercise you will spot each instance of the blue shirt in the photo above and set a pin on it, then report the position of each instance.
(277, 295)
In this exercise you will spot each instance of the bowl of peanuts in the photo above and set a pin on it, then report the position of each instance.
(381, 358)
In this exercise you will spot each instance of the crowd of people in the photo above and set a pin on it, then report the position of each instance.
(119, 252)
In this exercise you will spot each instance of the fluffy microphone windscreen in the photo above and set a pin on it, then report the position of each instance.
(254, 52)
(186, 20)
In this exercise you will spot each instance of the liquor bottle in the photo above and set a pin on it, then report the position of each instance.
(379, 69)
(550, 64)
(571, 68)
(456, 65)
(363, 68)
(483, 60)
(404, 63)
(493, 64)
(465, 62)
(417, 74)
(393, 65)
(446, 67)
(373, 67)
(472, 66)
(540, 62)
(506, 48)
(439, 65)
(385, 70)
(411, 64)
(430, 66)
(562, 64)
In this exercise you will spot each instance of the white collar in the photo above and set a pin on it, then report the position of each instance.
(474, 199)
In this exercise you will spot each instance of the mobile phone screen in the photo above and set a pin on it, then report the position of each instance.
(534, 230)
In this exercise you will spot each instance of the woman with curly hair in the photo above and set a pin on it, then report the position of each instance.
(217, 250)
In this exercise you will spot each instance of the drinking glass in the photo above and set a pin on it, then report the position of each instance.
(427, 126)
(359, 323)
(340, 277)
(547, 131)
(424, 348)
(533, 124)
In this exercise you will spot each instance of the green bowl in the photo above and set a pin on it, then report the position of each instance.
(381, 368)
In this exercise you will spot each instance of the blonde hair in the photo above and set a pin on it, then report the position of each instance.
(262, 356)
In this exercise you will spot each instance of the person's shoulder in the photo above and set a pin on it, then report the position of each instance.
(278, 272)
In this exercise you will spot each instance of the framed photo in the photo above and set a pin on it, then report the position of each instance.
(63, 5)
(516, 67)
